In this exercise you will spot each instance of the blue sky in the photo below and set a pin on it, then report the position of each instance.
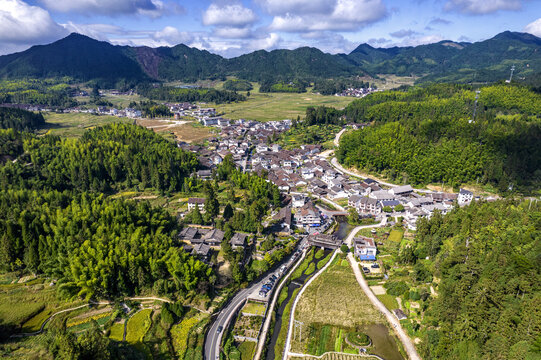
(234, 27)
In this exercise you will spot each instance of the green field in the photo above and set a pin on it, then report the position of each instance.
(180, 332)
(389, 301)
(138, 326)
(25, 306)
(396, 235)
(278, 106)
(246, 349)
(75, 124)
(335, 298)
(117, 332)
(254, 308)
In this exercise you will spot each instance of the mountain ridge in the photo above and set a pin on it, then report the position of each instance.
(83, 58)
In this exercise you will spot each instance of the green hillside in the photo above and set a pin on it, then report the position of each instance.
(84, 59)
(426, 135)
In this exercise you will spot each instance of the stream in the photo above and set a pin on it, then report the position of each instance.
(295, 284)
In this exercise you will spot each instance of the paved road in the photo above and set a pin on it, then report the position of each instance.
(406, 341)
(270, 309)
(214, 338)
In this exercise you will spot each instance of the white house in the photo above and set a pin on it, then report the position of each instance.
(364, 248)
(464, 196)
(297, 201)
(199, 202)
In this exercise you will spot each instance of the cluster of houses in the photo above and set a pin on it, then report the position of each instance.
(356, 92)
(202, 241)
(239, 139)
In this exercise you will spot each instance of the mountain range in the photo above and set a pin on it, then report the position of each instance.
(85, 59)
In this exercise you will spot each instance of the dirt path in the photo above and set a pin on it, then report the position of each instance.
(404, 338)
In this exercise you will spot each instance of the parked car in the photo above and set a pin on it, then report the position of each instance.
(375, 266)
(366, 270)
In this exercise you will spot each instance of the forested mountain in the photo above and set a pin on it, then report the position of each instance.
(76, 56)
(426, 135)
(84, 59)
(487, 259)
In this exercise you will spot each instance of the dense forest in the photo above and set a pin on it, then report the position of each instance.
(11, 118)
(172, 94)
(49, 92)
(109, 158)
(94, 246)
(427, 135)
(487, 257)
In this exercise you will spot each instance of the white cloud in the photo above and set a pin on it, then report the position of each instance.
(268, 43)
(282, 7)
(346, 15)
(21, 23)
(233, 32)
(232, 15)
(152, 8)
(172, 36)
(534, 28)
(480, 7)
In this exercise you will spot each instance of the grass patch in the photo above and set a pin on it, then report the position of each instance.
(246, 349)
(26, 306)
(254, 308)
(34, 324)
(389, 301)
(138, 326)
(75, 124)
(278, 106)
(324, 262)
(319, 254)
(117, 332)
(311, 269)
(396, 236)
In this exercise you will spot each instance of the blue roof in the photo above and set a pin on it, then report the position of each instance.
(368, 257)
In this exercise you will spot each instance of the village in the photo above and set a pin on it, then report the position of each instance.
(315, 192)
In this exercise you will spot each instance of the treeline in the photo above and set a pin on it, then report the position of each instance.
(427, 135)
(237, 85)
(334, 86)
(489, 300)
(94, 246)
(172, 94)
(112, 157)
(50, 92)
(295, 86)
(18, 119)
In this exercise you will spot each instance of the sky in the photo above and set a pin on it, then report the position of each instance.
(234, 27)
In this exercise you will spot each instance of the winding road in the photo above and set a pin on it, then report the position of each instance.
(404, 338)
(213, 339)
